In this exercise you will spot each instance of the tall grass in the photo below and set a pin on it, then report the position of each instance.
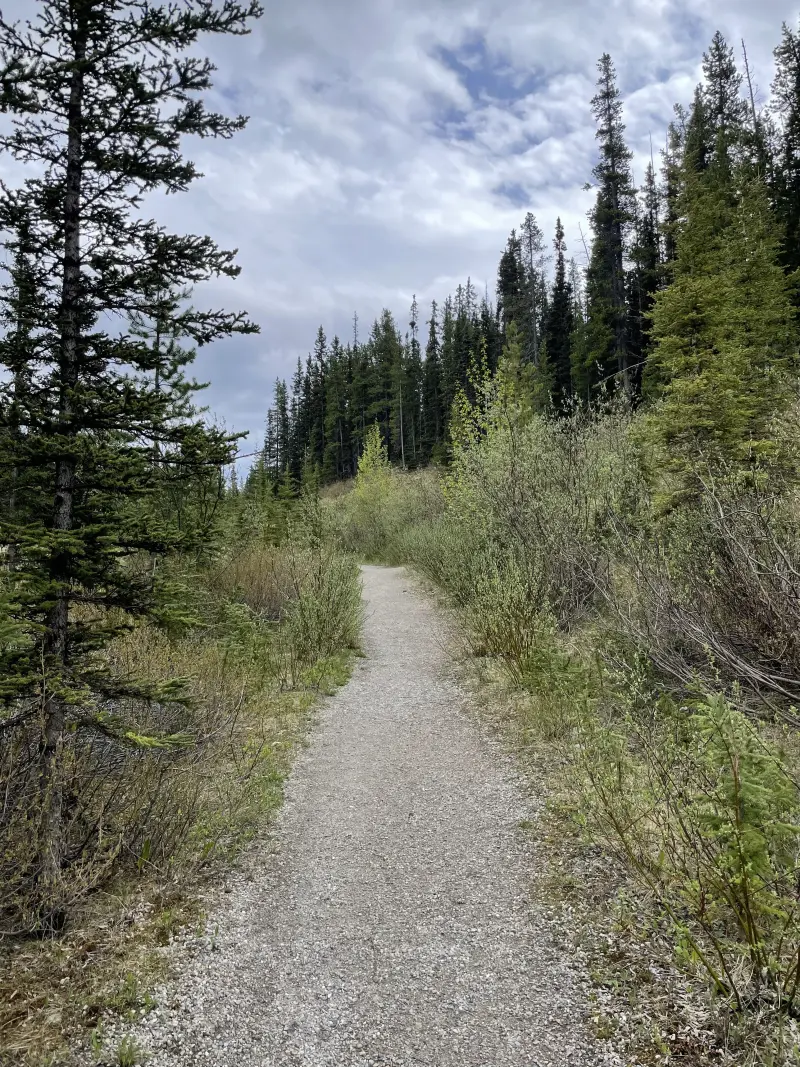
(270, 621)
(268, 627)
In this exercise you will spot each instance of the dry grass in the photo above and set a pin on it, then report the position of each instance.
(171, 819)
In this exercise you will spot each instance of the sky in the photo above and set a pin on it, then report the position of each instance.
(393, 144)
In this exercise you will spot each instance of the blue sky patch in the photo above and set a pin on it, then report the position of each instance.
(487, 77)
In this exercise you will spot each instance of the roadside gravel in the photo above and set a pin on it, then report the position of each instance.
(388, 919)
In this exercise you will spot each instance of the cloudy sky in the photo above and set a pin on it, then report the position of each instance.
(393, 144)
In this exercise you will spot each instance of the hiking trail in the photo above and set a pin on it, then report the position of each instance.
(387, 919)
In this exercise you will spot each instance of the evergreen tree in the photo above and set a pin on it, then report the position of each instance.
(449, 363)
(360, 400)
(414, 378)
(511, 285)
(490, 334)
(672, 157)
(432, 411)
(19, 312)
(786, 110)
(517, 377)
(611, 220)
(580, 342)
(723, 333)
(299, 419)
(534, 286)
(560, 326)
(101, 98)
(645, 278)
(316, 371)
(282, 427)
(725, 108)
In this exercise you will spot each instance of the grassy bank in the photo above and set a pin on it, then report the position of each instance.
(642, 655)
(271, 622)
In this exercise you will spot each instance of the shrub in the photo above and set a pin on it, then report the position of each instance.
(190, 777)
(707, 812)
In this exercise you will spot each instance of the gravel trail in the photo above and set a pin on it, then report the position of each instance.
(388, 920)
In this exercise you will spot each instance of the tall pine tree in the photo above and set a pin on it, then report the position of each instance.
(101, 95)
(611, 220)
(560, 326)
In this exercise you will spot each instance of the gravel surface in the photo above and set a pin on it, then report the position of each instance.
(388, 919)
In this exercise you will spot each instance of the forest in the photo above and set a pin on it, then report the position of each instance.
(581, 333)
(597, 467)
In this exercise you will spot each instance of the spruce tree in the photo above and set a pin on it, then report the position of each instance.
(723, 335)
(282, 426)
(645, 277)
(534, 286)
(432, 413)
(786, 110)
(414, 378)
(511, 299)
(559, 326)
(669, 192)
(101, 93)
(448, 362)
(611, 221)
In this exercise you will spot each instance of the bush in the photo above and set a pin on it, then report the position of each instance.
(707, 812)
(650, 644)
(190, 777)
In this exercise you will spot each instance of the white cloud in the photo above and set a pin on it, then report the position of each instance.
(370, 167)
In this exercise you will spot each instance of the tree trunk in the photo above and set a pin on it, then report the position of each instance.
(51, 843)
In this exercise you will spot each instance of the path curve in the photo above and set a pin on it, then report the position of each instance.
(388, 921)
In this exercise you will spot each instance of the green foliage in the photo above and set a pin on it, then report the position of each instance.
(128, 1053)
(100, 434)
(724, 335)
(611, 617)
(706, 810)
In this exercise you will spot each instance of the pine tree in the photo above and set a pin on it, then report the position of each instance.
(723, 333)
(282, 427)
(645, 277)
(337, 427)
(672, 157)
(449, 363)
(316, 372)
(299, 419)
(511, 301)
(414, 378)
(101, 98)
(611, 220)
(560, 326)
(490, 334)
(19, 311)
(534, 286)
(432, 411)
(786, 110)
(580, 342)
(725, 108)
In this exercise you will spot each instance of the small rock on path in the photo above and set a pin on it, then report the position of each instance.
(388, 920)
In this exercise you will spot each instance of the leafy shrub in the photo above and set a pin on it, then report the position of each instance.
(191, 777)
(707, 812)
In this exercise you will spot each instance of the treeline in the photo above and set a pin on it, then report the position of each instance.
(728, 183)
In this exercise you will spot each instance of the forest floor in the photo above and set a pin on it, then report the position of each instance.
(390, 918)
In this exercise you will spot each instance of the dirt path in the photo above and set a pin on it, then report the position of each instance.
(388, 922)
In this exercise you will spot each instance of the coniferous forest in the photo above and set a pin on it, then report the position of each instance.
(597, 466)
(581, 326)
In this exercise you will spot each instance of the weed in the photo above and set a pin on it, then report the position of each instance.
(129, 1054)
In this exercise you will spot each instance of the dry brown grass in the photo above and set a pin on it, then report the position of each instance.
(165, 820)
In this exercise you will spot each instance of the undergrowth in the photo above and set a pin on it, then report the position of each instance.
(646, 658)
(272, 623)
